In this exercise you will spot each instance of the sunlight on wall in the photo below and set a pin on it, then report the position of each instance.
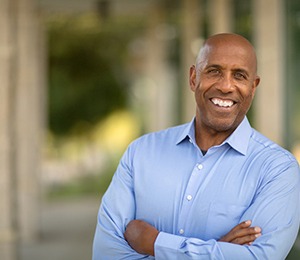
(296, 151)
(117, 131)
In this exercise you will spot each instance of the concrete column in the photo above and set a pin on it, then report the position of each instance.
(22, 78)
(159, 86)
(8, 236)
(29, 109)
(220, 17)
(269, 105)
(191, 42)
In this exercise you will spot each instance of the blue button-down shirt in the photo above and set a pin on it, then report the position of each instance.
(194, 199)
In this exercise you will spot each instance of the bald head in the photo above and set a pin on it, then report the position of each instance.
(229, 41)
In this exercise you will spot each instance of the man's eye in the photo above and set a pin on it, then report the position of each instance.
(213, 71)
(239, 75)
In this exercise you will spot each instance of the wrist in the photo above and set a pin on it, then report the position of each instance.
(151, 245)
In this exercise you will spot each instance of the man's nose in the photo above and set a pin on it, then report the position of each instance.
(226, 84)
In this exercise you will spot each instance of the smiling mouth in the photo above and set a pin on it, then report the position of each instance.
(226, 103)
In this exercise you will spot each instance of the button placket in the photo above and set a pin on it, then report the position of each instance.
(190, 192)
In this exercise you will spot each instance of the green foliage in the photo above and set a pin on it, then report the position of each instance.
(87, 60)
(243, 18)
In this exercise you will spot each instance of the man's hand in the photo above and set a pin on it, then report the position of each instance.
(242, 234)
(141, 236)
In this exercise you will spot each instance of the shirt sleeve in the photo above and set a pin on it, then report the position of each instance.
(275, 209)
(116, 210)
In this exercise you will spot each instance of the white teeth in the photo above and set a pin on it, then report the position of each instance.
(222, 103)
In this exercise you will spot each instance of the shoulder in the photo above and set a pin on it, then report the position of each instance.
(169, 135)
(154, 144)
(270, 152)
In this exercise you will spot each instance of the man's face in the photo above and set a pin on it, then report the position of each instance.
(224, 83)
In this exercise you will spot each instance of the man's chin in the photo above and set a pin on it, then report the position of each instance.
(223, 125)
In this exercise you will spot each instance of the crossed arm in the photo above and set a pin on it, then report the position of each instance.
(275, 210)
(141, 236)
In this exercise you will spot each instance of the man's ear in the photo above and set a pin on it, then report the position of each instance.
(193, 78)
(255, 84)
(257, 80)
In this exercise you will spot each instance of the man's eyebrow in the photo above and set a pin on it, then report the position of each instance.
(213, 66)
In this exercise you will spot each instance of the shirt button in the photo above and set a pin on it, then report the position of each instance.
(200, 167)
(181, 231)
(190, 140)
(189, 197)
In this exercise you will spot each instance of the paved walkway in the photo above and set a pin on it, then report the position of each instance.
(67, 231)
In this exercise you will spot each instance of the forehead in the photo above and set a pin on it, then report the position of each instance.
(228, 55)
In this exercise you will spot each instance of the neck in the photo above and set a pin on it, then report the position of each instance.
(206, 138)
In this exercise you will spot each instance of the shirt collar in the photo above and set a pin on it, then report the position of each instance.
(238, 140)
(188, 132)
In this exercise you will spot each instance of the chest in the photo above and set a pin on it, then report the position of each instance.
(195, 196)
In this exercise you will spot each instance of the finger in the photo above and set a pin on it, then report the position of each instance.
(245, 236)
(241, 233)
(244, 224)
(246, 240)
(246, 231)
(234, 233)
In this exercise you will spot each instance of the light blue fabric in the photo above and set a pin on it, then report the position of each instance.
(193, 200)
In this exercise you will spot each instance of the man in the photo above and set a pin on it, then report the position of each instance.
(211, 189)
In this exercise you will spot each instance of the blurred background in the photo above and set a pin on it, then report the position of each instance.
(80, 79)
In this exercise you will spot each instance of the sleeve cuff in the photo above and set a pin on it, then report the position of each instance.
(166, 244)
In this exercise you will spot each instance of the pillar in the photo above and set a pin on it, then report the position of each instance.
(22, 117)
(270, 97)
(156, 84)
(29, 114)
(8, 234)
(220, 18)
(191, 41)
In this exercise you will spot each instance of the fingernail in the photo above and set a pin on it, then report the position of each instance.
(258, 235)
(248, 222)
(257, 229)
